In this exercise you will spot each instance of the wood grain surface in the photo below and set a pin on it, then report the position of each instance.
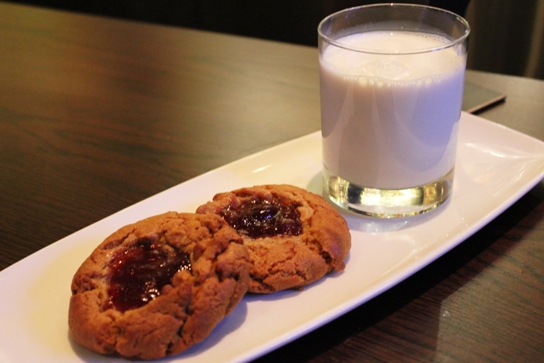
(97, 114)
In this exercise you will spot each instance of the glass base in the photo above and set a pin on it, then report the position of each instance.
(387, 203)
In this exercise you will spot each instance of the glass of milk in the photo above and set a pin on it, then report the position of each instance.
(391, 80)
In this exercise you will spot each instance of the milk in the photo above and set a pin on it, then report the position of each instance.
(389, 121)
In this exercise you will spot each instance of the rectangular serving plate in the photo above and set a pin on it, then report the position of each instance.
(495, 167)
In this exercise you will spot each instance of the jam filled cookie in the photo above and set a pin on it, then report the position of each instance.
(158, 286)
(294, 237)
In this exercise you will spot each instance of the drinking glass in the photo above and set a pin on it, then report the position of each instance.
(391, 83)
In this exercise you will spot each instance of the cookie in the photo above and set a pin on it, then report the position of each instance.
(156, 287)
(294, 237)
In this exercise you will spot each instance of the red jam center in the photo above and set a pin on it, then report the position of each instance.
(139, 273)
(260, 218)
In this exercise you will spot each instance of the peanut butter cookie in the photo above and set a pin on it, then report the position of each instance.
(294, 237)
(158, 286)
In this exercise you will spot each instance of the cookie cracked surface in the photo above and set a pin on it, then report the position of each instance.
(294, 237)
(156, 287)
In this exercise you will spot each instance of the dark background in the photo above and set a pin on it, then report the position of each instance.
(292, 21)
(505, 36)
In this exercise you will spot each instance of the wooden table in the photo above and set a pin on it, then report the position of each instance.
(98, 114)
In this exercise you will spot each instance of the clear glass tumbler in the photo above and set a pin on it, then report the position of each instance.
(391, 82)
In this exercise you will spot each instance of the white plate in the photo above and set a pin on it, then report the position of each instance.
(495, 167)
